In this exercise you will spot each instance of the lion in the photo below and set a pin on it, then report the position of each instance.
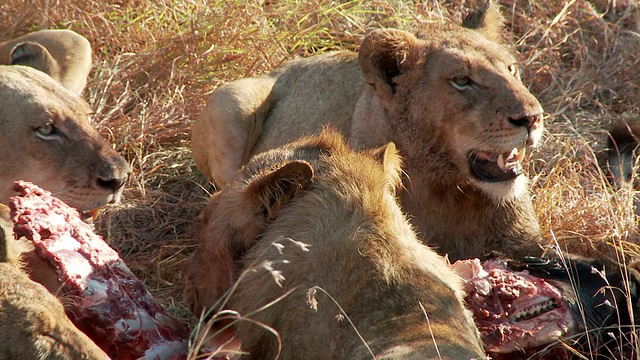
(62, 54)
(317, 222)
(46, 135)
(48, 139)
(33, 323)
(452, 101)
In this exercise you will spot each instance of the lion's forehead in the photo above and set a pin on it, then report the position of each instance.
(21, 77)
(474, 59)
(70, 118)
(28, 89)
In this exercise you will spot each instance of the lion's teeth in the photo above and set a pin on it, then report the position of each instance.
(520, 155)
(501, 161)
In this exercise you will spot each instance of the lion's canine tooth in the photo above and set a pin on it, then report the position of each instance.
(521, 153)
(501, 161)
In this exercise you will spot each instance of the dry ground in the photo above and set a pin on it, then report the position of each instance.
(156, 61)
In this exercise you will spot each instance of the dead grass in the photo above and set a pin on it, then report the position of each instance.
(155, 62)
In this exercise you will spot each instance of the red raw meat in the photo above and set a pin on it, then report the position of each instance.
(513, 309)
(112, 305)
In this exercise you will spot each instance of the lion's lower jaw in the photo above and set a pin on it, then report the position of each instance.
(87, 199)
(504, 191)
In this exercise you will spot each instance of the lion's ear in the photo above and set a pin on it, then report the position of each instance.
(29, 53)
(488, 20)
(382, 56)
(275, 189)
(391, 160)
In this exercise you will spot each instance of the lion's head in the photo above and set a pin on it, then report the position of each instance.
(315, 215)
(459, 108)
(47, 139)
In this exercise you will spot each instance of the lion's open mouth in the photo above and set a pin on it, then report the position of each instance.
(496, 167)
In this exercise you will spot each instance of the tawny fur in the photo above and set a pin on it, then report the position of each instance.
(400, 88)
(46, 138)
(33, 324)
(62, 54)
(401, 296)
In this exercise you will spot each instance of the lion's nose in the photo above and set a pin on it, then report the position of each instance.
(526, 121)
(530, 122)
(112, 174)
(113, 184)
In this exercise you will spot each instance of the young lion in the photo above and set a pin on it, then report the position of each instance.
(46, 136)
(453, 103)
(62, 54)
(324, 223)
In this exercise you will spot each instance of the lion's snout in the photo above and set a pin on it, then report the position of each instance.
(533, 124)
(529, 122)
(110, 175)
(115, 177)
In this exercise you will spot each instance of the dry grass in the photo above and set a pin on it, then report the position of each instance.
(155, 62)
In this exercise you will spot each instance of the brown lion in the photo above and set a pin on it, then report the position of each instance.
(62, 54)
(47, 139)
(318, 224)
(452, 101)
(33, 324)
(46, 135)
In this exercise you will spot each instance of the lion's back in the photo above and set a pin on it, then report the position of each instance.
(310, 94)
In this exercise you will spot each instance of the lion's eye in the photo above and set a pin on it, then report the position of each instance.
(461, 82)
(513, 69)
(45, 131)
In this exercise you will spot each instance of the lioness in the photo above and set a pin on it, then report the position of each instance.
(453, 103)
(33, 324)
(325, 222)
(46, 138)
(62, 54)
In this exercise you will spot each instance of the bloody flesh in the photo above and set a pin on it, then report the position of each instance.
(513, 309)
(109, 303)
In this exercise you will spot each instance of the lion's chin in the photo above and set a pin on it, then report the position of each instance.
(503, 191)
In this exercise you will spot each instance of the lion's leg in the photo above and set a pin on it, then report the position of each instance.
(33, 324)
(62, 54)
(228, 128)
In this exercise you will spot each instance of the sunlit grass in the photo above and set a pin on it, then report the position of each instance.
(155, 62)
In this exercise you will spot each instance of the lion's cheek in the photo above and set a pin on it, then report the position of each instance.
(42, 171)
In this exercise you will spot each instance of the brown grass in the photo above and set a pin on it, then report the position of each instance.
(155, 62)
